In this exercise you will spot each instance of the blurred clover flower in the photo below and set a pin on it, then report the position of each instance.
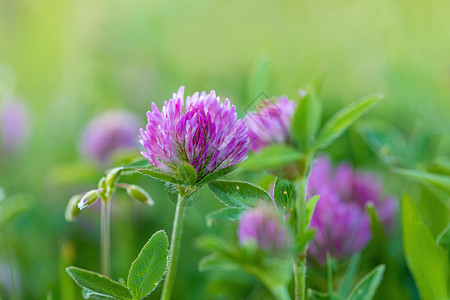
(109, 132)
(340, 217)
(200, 131)
(13, 125)
(271, 123)
(263, 226)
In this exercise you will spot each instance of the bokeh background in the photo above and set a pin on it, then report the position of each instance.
(68, 61)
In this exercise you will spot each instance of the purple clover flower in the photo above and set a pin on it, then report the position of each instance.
(271, 123)
(13, 125)
(263, 226)
(200, 130)
(109, 132)
(340, 218)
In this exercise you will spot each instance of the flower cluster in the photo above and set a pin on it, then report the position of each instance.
(271, 123)
(200, 131)
(340, 218)
(263, 226)
(109, 132)
(13, 125)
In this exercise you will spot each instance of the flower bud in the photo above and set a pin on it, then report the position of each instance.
(112, 177)
(88, 199)
(139, 194)
(72, 209)
(102, 184)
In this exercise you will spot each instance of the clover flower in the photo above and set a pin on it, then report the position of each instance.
(263, 226)
(340, 219)
(109, 132)
(271, 123)
(13, 125)
(200, 131)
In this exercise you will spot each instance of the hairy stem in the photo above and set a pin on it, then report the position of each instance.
(105, 236)
(299, 267)
(175, 244)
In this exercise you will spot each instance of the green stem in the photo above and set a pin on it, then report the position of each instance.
(175, 244)
(300, 278)
(105, 236)
(299, 267)
(280, 293)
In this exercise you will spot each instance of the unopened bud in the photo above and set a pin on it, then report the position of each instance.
(111, 178)
(72, 209)
(88, 199)
(102, 185)
(139, 194)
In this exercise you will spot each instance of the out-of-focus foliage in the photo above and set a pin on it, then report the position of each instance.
(71, 60)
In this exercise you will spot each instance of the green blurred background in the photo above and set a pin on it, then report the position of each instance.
(70, 60)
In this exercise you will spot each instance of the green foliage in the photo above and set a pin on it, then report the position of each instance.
(224, 215)
(440, 181)
(365, 289)
(161, 176)
(306, 120)
(349, 276)
(425, 259)
(258, 80)
(272, 157)
(344, 118)
(187, 173)
(216, 175)
(149, 267)
(144, 275)
(310, 207)
(284, 193)
(237, 193)
(99, 284)
(274, 272)
(12, 207)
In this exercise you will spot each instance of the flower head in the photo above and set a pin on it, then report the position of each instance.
(263, 226)
(109, 132)
(340, 218)
(13, 124)
(271, 123)
(200, 131)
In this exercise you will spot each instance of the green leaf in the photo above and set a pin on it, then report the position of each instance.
(343, 119)
(306, 120)
(310, 207)
(237, 193)
(137, 164)
(210, 242)
(378, 236)
(315, 295)
(149, 267)
(349, 277)
(258, 78)
(272, 157)
(187, 173)
(443, 237)
(12, 207)
(224, 215)
(303, 238)
(425, 259)
(283, 193)
(161, 176)
(216, 175)
(214, 262)
(98, 284)
(440, 181)
(365, 289)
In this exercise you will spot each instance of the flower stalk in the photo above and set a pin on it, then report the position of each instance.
(175, 243)
(105, 236)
